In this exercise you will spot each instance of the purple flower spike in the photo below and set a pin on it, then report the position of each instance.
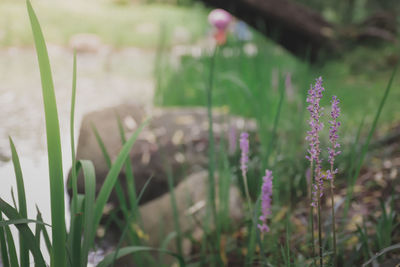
(265, 201)
(333, 136)
(244, 147)
(316, 111)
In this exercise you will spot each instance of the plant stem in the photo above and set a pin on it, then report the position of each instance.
(333, 222)
(319, 229)
(211, 159)
(312, 212)
(246, 189)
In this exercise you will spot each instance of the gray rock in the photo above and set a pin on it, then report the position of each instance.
(174, 142)
(157, 219)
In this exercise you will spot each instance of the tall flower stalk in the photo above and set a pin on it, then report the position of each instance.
(244, 159)
(314, 151)
(333, 137)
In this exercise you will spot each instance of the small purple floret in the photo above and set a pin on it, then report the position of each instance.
(266, 194)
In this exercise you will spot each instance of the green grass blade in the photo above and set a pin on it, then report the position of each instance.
(24, 252)
(275, 126)
(366, 144)
(90, 192)
(53, 145)
(118, 187)
(3, 246)
(134, 249)
(130, 181)
(11, 248)
(251, 247)
(126, 228)
(44, 231)
(38, 231)
(13, 198)
(25, 231)
(102, 146)
(175, 212)
(112, 176)
(74, 238)
(72, 135)
(21, 221)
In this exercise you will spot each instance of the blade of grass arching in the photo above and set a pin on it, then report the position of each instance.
(134, 249)
(11, 247)
(90, 191)
(20, 221)
(112, 176)
(126, 228)
(3, 245)
(174, 211)
(44, 231)
(26, 232)
(380, 253)
(366, 144)
(118, 188)
(23, 250)
(167, 240)
(53, 145)
(130, 182)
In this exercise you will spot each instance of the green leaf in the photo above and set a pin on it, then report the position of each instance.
(44, 231)
(127, 226)
(21, 221)
(366, 144)
(11, 248)
(58, 257)
(24, 252)
(134, 249)
(90, 192)
(118, 188)
(130, 181)
(25, 231)
(112, 176)
(3, 246)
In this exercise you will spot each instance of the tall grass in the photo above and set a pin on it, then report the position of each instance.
(66, 248)
(244, 86)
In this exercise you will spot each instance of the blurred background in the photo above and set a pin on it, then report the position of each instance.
(156, 53)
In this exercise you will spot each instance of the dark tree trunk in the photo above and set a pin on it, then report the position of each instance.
(302, 31)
